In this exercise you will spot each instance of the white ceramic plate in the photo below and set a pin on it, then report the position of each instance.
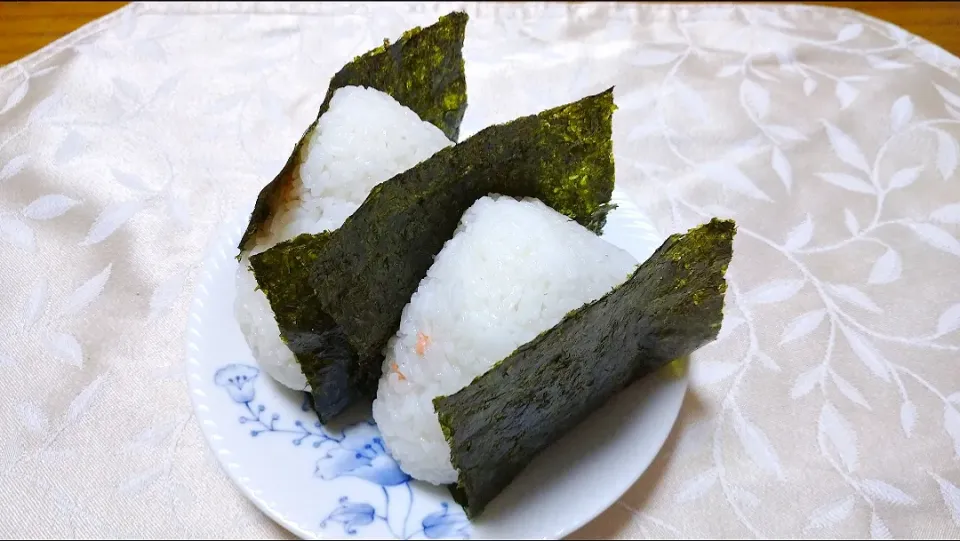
(330, 481)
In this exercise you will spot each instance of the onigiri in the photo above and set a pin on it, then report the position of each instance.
(363, 139)
(512, 269)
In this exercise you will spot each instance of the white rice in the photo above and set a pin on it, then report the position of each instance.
(512, 270)
(364, 138)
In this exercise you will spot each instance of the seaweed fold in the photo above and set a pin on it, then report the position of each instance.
(423, 70)
(364, 273)
(670, 306)
(318, 344)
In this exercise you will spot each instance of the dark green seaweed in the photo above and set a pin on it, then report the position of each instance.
(366, 271)
(423, 71)
(669, 307)
(282, 274)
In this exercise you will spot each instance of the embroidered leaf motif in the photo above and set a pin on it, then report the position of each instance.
(774, 291)
(727, 71)
(35, 303)
(730, 323)
(879, 63)
(851, 222)
(165, 295)
(802, 325)
(110, 220)
(800, 235)
(696, 487)
(41, 109)
(901, 112)
(949, 320)
(730, 176)
(886, 268)
(838, 432)
(66, 347)
(71, 147)
(908, 417)
(166, 87)
(848, 182)
(806, 382)
(130, 181)
(767, 361)
(955, 113)
(16, 232)
(849, 32)
(904, 177)
(951, 497)
(12, 167)
(82, 401)
(845, 93)
(782, 167)
(32, 418)
(830, 514)
(757, 446)
(951, 423)
(755, 99)
(16, 96)
(948, 97)
(154, 435)
(886, 492)
(949, 214)
(87, 292)
(849, 390)
(867, 354)
(139, 482)
(785, 133)
(846, 148)
(49, 206)
(947, 154)
(855, 297)
(936, 237)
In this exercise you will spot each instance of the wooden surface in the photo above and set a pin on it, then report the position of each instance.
(28, 26)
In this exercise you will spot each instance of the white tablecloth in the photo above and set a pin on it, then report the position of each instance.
(829, 406)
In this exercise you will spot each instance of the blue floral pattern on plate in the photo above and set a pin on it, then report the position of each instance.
(356, 451)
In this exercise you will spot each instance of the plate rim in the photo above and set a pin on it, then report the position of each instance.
(192, 368)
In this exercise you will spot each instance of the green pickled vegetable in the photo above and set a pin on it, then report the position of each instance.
(669, 307)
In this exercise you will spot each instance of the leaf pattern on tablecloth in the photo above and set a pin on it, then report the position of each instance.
(832, 138)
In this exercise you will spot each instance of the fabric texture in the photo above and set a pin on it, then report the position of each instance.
(829, 405)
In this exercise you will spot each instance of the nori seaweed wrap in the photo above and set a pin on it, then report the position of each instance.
(423, 71)
(669, 307)
(363, 274)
